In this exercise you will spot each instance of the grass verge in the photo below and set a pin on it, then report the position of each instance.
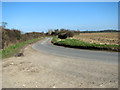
(74, 43)
(13, 49)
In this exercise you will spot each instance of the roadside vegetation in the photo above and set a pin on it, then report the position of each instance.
(14, 49)
(14, 36)
(97, 40)
(13, 39)
(74, 43)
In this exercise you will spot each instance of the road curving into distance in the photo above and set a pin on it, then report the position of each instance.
(46, 46)
(51, 66)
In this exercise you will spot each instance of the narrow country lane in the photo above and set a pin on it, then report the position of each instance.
(47, 66)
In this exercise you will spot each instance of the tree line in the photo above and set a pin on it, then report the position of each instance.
(13, 36)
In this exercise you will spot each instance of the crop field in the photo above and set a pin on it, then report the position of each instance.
(99, 38)
(98, 41)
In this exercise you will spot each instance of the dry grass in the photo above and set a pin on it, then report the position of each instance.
(99, 38)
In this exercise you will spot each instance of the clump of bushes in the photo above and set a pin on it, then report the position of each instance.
(62, 36)
(70, 34)
(65, 35)
(62, 33)
(11, 37)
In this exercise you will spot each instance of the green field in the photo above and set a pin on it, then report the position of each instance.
(13, 49)
(81, 44)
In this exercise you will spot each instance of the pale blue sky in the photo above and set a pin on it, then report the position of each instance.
(41, 16)
(60, 0)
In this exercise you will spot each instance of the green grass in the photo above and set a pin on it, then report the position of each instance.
(78, 43)
(13, 49)
(55, 39)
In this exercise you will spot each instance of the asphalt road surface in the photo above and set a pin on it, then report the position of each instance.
(51, 66)
(46, 46)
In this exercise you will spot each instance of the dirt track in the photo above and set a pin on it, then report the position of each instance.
(40, 70)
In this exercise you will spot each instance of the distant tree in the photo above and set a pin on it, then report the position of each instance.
(56, 31)
(53, 33)
(4, 24)
(47, 34)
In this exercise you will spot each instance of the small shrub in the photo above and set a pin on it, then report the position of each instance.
(62, 36)
(70, 34)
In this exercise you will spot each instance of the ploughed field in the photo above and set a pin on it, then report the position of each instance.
(99, 38)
